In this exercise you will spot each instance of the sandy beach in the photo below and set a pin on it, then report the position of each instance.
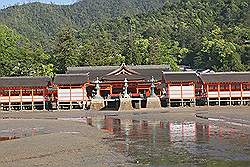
(55, 140)
(64, 143)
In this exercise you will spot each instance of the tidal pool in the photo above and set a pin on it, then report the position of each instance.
(11, 134)
(166, 143)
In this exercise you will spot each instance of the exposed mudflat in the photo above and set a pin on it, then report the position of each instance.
(55, 139)
(55, 143)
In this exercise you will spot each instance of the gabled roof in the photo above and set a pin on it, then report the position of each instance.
(70, 79)
(144, 71)
(121, 73)
(25, 81)
(122, 77)
(180, 76)
(226, 77)
(123, 69)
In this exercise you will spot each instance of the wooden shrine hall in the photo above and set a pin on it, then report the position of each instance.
(115, 82)
(181, 88)
(24, 93)
(111, 78)
(227, 88)
(69, 91)
(109, 87)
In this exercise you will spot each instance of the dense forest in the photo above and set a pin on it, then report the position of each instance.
(42, 39)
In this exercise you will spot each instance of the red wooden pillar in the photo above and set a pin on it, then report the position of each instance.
(218, 92)
(9, 100)
(181, 96)
(241, 94)
(207, 95)
(111, 89)
(32, 103)
(21, 96)
(230, 95)
(194, 98)
(169, 101)
(57, 99)
(70, 98)
(44, 107)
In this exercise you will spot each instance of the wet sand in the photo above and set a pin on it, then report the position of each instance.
(66, 144)
(69, 143)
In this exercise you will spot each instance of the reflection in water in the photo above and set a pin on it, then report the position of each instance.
(10, 134)
(157, 143)
(3, 138)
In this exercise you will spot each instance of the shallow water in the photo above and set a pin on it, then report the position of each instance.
(11, 134)
(164, 143)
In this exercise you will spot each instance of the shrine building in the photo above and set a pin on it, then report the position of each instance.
(24, 93)
(227, 88)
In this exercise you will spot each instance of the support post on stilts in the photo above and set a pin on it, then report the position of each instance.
(32, 103)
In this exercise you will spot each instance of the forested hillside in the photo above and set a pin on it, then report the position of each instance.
(39, 21)
(19, 57)
(202, 34)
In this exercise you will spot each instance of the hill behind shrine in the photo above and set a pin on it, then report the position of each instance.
(201, 34)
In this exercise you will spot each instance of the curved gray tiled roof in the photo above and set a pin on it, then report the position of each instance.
(121, 77)
(144, 71)
(70, 79)
(226, 77)
(180, 76)
(26, 81)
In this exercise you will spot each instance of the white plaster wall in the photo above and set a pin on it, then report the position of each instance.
(213, 94)
(246, 94)
(235, 94)
(187, 92)
(76, 94)
(225, 94)
(175, 92)
(4, 99)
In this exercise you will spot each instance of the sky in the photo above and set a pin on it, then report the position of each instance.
(4, 3)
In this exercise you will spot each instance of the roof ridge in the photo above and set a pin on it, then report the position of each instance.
(72, 74)
(115, 67)
(231, 72)
(182, 72)
(24, 77)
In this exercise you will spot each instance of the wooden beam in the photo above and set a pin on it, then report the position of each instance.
(57, 102)
(32, 104)
(230, 95)
(182, 96)
(208, 95)
(241, 94)
(194, 93)
(44, 107)
(218, 88)
(21, 95)
(9, 100)
(70, 103)
(169, 101)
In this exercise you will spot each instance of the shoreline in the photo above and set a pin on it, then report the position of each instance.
(64, 142)
(61, 143)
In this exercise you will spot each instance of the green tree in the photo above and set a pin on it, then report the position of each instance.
(100, 49)
(172, 54)
(67, 51)
(19, 57)
(219, 54)
(141, 55)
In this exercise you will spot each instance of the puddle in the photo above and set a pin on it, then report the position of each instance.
(230, 121)
(3, 138)
(11, 134)
(163, 143)
(87, 120)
